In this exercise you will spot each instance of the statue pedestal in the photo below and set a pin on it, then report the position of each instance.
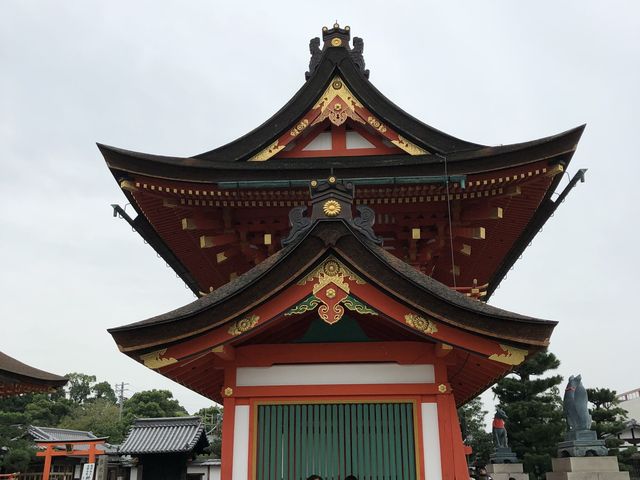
(582, 443)
(507, 471)
(586, 468)
(503, 455)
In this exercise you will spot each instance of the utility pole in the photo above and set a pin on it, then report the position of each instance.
(120, 389)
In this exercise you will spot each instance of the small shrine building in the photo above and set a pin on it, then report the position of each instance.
(342, 253)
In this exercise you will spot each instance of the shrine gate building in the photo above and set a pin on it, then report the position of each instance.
(343, 253)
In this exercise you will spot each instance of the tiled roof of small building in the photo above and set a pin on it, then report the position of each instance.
(49, 434)
(164, 435)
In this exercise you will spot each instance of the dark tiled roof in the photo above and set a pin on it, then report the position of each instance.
(164, 435)
(49, 434)
(10, 367)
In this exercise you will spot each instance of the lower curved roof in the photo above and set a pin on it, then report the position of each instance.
(17, 378)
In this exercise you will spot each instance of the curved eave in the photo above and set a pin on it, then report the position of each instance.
(408, 285)
(14, 372)
(336, 61)
(486, 159)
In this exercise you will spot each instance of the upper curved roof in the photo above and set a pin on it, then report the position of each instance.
(228, 161)
(482, 159)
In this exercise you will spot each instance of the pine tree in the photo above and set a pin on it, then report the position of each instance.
(472, 418)
(608, 417)
(608, 420)
(531, 400)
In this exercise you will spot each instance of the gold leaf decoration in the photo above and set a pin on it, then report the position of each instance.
(268, 152)
(512, 355)
(421, 324)
(409, 147)
(331, 270)
(298, 129)
(243, 325)
(331, 208)
(377, 124)
(154, 360)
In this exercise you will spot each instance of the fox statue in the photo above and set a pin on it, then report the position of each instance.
(575, 405)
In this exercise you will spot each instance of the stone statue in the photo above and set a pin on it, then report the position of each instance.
(500, 439)
(316, 54)
(575, 404)
(357, 55)
(579, 440)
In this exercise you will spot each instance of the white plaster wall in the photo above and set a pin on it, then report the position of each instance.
(431, 441)
(241, 443)
(334, 374)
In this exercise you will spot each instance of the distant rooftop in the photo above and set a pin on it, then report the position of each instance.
(50, 434)
(164, 435)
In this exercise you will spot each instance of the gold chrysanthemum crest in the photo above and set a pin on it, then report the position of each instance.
(421, 324)
(243, 325)
(331, 208)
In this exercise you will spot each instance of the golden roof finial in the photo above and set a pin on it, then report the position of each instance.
(336, 25)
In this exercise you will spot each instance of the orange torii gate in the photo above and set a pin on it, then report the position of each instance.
(70, 449)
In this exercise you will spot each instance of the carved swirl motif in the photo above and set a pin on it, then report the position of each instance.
(307, 305)
(243, 325)
(337, 310)
(357, 306)
(421, 324)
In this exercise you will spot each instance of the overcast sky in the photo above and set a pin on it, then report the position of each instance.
(180, 78)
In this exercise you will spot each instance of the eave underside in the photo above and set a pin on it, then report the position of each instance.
(214, 234)
(188, 344)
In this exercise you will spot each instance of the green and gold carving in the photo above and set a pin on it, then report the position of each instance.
(307, 305)
(421, 324)
(154, 360)
(357, 306)
(243, 325)
(512, 355)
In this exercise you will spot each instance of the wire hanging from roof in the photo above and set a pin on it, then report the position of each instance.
(446, 180)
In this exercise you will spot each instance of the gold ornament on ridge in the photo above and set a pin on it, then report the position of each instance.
(331, 208)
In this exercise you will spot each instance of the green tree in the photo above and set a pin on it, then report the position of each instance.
(608, 420)
(79, 387)
(530, 398)
(103, 390)
(15, 450)
(45, 411)
(101, 417)
(472, 417)
(607, 415)
(212, 418)
(152, 404)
